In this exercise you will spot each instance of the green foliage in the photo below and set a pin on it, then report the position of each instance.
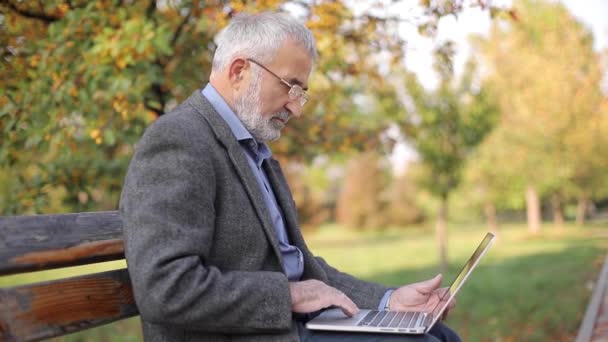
(82, 80)
(447, 124)
(545, 77)
(82, 86)
(78, 106)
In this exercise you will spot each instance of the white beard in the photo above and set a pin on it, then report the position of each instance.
(247, 108)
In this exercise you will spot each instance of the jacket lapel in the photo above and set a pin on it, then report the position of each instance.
(240, 163)
(283, 194)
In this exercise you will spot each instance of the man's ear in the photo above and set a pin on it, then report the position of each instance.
(238, 72)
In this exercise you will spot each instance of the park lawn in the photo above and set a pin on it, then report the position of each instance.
(527, 288)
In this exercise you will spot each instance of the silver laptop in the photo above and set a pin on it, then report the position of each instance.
(399, 322)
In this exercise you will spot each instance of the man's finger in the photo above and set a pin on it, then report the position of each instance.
(346, 304)
(447, 310)
(444, 294)
(452, 303)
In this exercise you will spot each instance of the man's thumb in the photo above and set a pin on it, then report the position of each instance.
(429, 285)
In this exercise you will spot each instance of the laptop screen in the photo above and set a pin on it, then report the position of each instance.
(462, 276)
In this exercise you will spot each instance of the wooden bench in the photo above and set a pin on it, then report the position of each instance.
(594, 326)
(59, 307)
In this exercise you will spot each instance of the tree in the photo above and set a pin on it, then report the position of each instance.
(360, 203)
(82, 80)
(546, 79)
(445, 127)
(584, 145)
(403, 205)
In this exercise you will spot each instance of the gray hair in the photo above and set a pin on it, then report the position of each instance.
(259, 36)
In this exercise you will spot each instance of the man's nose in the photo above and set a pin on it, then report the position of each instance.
(294, 107)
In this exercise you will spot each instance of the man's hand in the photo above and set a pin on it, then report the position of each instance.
(312, 295)
(422, 296)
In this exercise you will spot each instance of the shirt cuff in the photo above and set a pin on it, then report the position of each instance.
(384, 300)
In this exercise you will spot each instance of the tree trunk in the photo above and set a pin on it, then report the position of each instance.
(558, 213)
(581, 210)
(490, 211)
(533, 209)
(442, 234)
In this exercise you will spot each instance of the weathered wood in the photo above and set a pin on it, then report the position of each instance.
(30, 243)
(43, 310)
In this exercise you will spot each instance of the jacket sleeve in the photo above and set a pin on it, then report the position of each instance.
(365, 294)
(167, 207)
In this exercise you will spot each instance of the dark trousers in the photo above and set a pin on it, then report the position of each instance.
(440, 332)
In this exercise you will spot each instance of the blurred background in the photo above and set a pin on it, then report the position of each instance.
(430, 122)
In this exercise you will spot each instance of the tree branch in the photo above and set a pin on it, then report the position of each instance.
(180, 28)
(159, 95)
(32, 15)
(156, 111)
(150, 10)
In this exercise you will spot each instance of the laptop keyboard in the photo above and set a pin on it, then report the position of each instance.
(392, 319)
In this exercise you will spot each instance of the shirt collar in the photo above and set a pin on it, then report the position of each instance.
(241, 133)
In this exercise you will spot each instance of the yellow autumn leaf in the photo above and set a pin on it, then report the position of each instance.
(95, 133)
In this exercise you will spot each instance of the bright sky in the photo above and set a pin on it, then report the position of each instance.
(592, 13)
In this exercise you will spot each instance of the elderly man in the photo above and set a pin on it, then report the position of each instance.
(211, 235)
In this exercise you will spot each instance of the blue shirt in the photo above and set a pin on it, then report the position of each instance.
(257, 152)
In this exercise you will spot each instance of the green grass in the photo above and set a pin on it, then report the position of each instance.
(527, 288)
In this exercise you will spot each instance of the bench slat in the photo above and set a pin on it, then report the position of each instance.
(43, 310)
(41, 242)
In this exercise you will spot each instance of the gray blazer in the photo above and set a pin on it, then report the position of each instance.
(200, 245)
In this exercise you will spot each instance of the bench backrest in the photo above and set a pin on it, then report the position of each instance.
(52, 308)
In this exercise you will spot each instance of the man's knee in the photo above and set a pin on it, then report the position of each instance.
(444, 333)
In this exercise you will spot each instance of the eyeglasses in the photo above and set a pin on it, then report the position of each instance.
(296, 92)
